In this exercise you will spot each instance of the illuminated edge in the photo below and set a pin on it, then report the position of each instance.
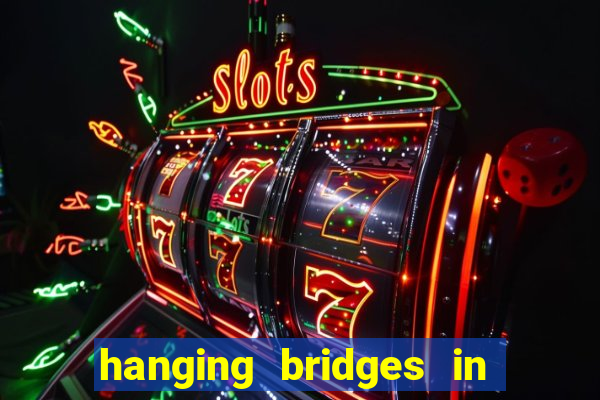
(174, 124)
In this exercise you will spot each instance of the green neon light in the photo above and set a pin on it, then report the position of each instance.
(190, 108)
(44, 359)
(123, 20)
(305, 111)
(249, 25)
(149, 108)
(58, 290)
(457, 106)
(109, 203)
(259, 23)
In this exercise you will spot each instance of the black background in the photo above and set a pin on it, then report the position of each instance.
(514, 66)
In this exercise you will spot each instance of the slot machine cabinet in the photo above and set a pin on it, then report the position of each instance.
(356, 218)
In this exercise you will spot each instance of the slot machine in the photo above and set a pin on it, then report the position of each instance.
(301, 199)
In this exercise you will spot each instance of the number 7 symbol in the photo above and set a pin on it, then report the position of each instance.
(162, 230)
(338, 317)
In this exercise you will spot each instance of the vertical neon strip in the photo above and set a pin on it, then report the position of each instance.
(467, 264)
(437, 257)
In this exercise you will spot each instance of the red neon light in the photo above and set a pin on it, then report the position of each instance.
(470, 244)
(171, 172)
(221, 88)
(242, 66)
(130, 77)
(376, 126)
(226, 252)
(76, 202)
(106, 132)
(307, 81)
(245, 173)
(346, 300)
(437, 259)
(162, 229)
(169, 294)
(260, 89)
(65, 242)
(365, 191)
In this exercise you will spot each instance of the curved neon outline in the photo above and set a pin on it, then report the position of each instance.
(72, 247)
(338, 107)
(336, 299)
(244, 174)
(215, 256)
(355, 193)
(76, 202)
(58, 290)
(161, 235)
(458, 104)
(103, 128)
(121, 17)
(41, 360)
(109, 203)
(130, 66)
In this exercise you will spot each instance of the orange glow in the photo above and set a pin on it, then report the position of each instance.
(242, 67)
(76, 202)
(221, 88)
(260, 91)
(171, 171)
(130, 77)
(470, 245)
(196, 136)
(261, 132)
(353, 296)
(226, 252)
(162, 229)
(106, 132)
(437, 258)
(281, 65)
(245, 168)
(307, 81)
(358, 177)
(401, 125)
(65, 242)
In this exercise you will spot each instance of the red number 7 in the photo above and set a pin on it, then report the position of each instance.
(346, 298)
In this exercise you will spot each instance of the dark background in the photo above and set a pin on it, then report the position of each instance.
(514, 66)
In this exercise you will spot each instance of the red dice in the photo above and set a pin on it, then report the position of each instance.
(542, 167)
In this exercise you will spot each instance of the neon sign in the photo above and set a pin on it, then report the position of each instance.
(337, 318)
(245, 173)
(65, 242)
(260, 87)
(76, 202)
(226, 251)
(106, 132)
(46, 358)
(162, 229)
(58, 290)
(346, 221)
(130, 77)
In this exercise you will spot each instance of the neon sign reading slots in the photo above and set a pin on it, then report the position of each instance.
(260, 88)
